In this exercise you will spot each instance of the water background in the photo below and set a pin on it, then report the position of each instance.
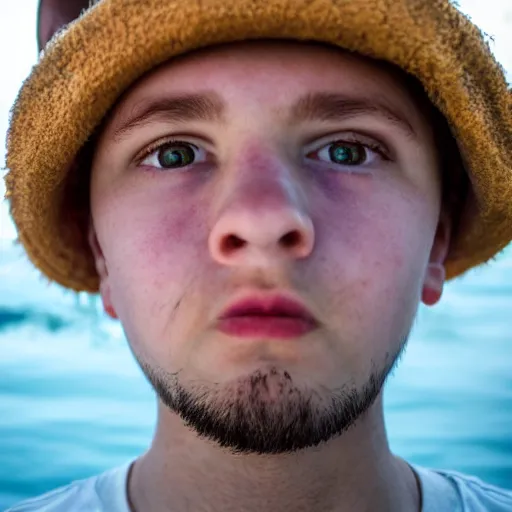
(73, 403)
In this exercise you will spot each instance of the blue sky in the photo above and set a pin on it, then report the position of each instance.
(19, 53)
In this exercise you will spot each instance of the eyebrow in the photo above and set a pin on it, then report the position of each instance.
(207, 107)
(324, 106)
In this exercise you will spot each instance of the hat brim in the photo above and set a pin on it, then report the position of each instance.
(87, 67)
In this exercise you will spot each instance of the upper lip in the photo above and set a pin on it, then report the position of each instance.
(268, 305)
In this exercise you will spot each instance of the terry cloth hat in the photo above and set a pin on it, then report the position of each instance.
(86, 67)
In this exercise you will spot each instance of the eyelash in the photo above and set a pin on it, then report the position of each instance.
(380, 149)
(155, 146)
(362, 141)
(367, 142)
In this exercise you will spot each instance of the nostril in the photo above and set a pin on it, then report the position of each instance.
(291, 239)
(231, 243)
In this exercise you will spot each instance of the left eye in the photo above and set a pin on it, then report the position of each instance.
(174, 155)
(345, 153)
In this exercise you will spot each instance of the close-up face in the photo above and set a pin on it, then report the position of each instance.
(258, 170)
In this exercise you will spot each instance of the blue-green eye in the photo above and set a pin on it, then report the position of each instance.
(349, 154)
(345, 153)
(174, 155)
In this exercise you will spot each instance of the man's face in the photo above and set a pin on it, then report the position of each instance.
(262, 169)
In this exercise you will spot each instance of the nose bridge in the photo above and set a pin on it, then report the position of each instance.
(262, 211)
(258, 180)
(262, 195)
(258, 162)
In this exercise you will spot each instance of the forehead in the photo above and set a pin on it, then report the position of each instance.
(268, 75)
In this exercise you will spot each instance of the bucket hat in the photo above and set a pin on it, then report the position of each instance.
(109, 45)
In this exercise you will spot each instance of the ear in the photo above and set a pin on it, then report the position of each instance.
(435, 275)
(101, 268)
(55, 14)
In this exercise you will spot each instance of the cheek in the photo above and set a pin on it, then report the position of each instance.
(379, 224)
(170, 237)
(150, 248)
(376, 241)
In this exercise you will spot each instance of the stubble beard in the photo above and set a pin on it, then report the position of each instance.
(266, 412)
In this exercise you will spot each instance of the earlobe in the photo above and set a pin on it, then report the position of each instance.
(107, 302)
(434, 283)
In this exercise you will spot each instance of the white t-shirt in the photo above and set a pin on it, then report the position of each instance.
(443, 491)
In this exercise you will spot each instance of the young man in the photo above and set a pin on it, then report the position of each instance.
(264, 216)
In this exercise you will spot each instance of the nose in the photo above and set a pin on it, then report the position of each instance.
(261, 220)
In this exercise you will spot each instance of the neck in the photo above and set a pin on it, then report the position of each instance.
(355, 472)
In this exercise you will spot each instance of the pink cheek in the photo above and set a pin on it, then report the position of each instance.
(156, 242)
(173, 235)
(367, 232)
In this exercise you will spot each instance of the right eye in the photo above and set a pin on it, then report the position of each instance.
(173, 155)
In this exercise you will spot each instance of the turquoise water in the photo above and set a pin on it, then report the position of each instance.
(73, 402)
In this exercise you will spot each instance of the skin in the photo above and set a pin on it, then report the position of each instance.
(368, 245)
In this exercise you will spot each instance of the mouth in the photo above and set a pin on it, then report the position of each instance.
(274, 316)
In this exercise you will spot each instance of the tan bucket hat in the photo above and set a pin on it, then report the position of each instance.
(87, 66)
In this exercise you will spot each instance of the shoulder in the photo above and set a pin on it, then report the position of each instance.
(55, 501)
(453, 491)
(101, 493)
(477, 495)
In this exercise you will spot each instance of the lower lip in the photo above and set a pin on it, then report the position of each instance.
(268, 326)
